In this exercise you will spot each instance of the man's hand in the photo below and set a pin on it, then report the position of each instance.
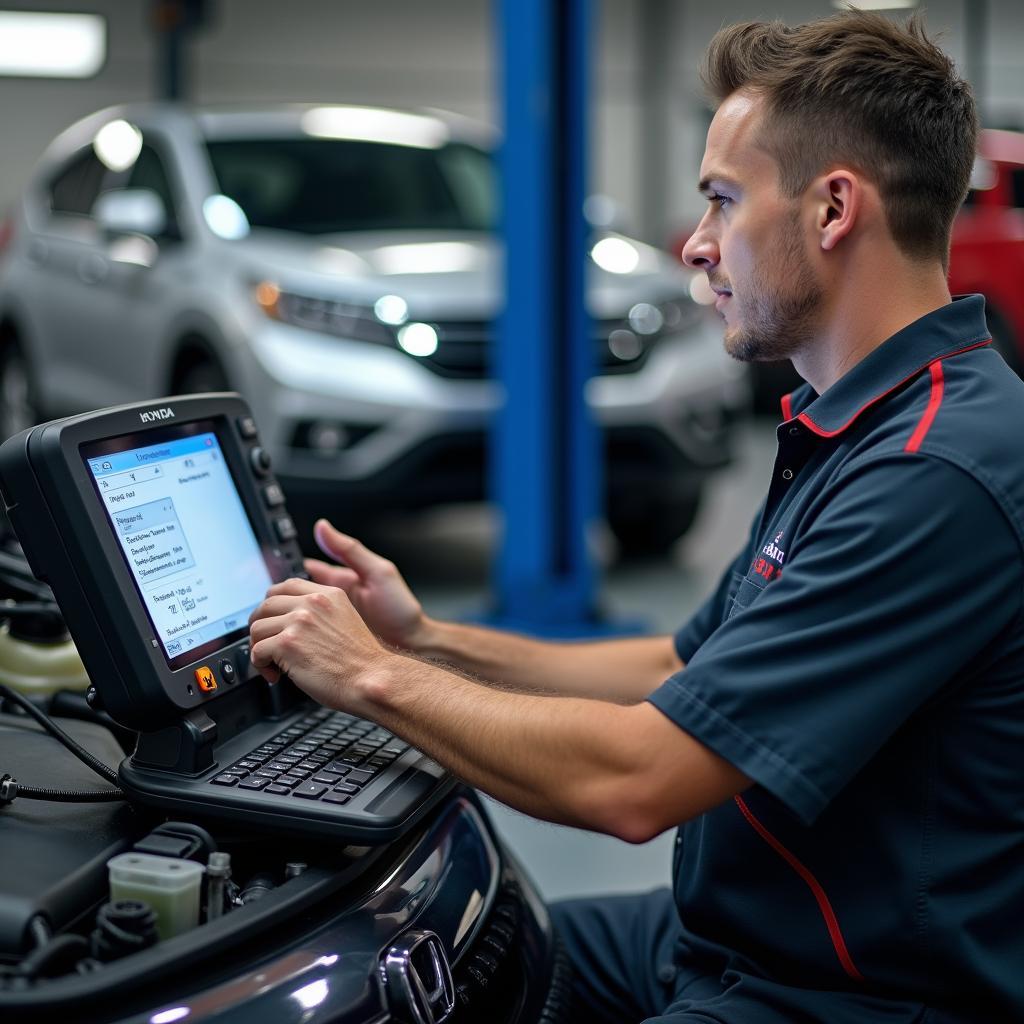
(373, 584)
(313, 633)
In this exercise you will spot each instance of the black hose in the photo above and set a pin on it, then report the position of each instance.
(70, 796)
(13, 789)
(58, 956)
(101, 769)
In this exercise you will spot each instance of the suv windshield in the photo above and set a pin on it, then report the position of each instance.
(320, 186)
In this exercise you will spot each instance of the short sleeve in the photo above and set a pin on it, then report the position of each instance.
(890, 593)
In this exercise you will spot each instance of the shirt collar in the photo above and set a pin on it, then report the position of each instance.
(946, 331)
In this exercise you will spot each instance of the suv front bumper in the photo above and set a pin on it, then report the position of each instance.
(407, 437)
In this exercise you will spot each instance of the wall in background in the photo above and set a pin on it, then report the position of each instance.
(404, 52)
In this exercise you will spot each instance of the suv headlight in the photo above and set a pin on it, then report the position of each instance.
(630, 339)
(328, 316)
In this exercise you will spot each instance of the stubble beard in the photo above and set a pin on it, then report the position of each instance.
(778, 321)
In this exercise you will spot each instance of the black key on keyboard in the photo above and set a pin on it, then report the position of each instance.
(310, 790)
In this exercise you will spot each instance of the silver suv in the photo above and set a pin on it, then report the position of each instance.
(338, 267)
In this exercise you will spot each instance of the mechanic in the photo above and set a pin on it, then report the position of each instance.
(843, 746)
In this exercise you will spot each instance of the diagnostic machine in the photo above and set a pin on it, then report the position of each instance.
(159, 528)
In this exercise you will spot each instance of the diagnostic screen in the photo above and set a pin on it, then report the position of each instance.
(185, 536)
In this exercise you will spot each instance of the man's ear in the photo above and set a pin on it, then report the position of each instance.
(839, 198)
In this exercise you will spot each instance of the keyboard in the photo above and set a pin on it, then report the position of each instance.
(327, 756)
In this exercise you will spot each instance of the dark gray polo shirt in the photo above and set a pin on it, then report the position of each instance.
(863, 662)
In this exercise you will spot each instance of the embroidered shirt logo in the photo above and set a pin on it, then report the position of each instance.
(773, 551)
(770, 566)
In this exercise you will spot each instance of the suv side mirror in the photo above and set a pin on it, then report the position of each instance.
(131, 211)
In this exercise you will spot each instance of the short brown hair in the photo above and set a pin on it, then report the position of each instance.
(860, 89)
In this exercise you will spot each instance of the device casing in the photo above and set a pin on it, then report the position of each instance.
(49, 497)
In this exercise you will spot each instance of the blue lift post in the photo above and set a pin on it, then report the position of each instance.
(545, 455)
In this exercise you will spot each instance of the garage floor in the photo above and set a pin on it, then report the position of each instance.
(447, 563)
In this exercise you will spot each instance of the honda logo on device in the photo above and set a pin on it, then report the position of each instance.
(156, 414)
(417, 979)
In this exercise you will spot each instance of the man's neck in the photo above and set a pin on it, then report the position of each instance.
(865, 314)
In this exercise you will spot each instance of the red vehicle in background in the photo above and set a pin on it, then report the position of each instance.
(986, 255)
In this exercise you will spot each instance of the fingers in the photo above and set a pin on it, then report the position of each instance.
(343, 548)
(263, 660)
(267, 626)
(294, 587)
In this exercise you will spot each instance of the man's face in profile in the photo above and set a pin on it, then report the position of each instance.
(753, 242)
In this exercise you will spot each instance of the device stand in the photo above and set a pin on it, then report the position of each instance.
(187, 746)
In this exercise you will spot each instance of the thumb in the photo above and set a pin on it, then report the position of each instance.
(330, 575)
(343, 548)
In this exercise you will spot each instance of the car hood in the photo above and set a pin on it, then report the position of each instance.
(442, 274)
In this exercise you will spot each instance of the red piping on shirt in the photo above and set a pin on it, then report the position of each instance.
(787, 406)
(934, 401)
(812, 883)
(821, 432)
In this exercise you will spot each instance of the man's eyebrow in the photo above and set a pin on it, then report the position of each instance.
(704, 185)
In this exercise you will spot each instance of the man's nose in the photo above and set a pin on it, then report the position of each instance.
(701, 249)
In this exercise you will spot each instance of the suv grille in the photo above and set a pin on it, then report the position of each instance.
(463, 349)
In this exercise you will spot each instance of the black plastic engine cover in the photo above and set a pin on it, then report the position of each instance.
(53, 856)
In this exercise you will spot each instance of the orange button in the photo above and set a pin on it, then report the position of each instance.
(204, 677)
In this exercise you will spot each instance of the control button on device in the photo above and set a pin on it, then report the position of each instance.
(260, 461)
(204, 677)
(273, 495)
(247, 427)
(285, 528)
(227, 671)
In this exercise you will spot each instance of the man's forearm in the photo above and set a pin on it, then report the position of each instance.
(622, 670)
(625, 771)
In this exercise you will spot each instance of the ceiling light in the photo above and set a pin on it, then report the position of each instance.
(52, 45)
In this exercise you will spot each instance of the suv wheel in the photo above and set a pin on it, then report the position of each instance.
(18, 407)
(200, 376)
(651, 527)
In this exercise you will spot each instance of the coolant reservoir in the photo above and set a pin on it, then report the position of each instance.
(38, 666)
